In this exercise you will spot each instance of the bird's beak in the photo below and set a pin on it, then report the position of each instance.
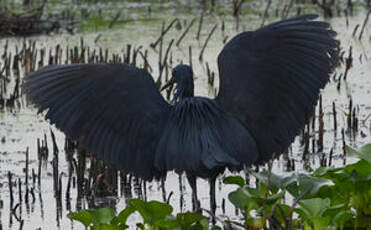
(168, 84)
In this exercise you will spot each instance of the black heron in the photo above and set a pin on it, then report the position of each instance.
(270, 81)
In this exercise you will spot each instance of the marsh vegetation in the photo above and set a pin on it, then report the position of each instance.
(44, 176)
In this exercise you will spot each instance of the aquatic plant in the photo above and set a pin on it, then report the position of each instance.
(329, 197)
(155, 215)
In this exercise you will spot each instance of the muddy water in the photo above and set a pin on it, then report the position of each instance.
(19, 129)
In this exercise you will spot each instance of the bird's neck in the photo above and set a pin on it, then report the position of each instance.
(184, 90)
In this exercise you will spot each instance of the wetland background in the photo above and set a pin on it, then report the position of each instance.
(43, 175)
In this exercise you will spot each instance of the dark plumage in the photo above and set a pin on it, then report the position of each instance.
(269, 83)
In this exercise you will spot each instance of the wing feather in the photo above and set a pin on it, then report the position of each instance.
(270, 78)
(115, 110)
(201, 139)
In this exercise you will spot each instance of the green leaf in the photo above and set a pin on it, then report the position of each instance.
(361, 167)
(205, 224)
(192, 221)
(167, 224)
(159, 210)
(315, 206)
(108, 227)
(201, 225)
(124, 215)
(197, 226)
(311, 184)
(140, 226)
(342, 217)
(275, 197)
(312, 212)
(323, 171)
(320, 222)
(102, 216)
(123, 226)
(366, 152)
(151, 211)
(242, 199)
(83, 217)
(282, 212)
(95, 227)
(188, 218)
(363, 153)
(140, 206)
(352, 152)
(256, 223)
(298, 183)
(295, 183)
(276, 180)
(237, 180)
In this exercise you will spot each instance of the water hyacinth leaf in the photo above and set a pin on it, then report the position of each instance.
(342, 217)
(109, 227)
(140, 226)
(124, 215)
(366, 152)
(333, 210)
(352, 152)
(362, 168)
(361, 198)
(320, 222)
(314, 207)
(312, 185)
(237, 180)
(363, 153)
(123, 226)
(201, 225)
(339, 214)
(102, 216)
(151, 211)
(256, 223)
(298, 183)
(159, 210)
(258, 192)
(303, 213)
(197, 226)
(205, 224)
(271, 199)
(167, 224)
(83, 217)
(139, 205)
(242, 199)
(323, 171)
(261, 197)
(339, 177)
(188, 218)
(276, 180)
(345, 181)
(295, 183)
(312, 212)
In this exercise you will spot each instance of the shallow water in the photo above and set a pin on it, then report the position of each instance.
(20, 128)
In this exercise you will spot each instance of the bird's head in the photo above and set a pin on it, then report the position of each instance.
(182, 76)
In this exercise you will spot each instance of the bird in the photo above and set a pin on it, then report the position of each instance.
(269, 83)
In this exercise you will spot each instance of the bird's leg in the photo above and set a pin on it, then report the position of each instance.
(181, 192)
(195, 202)
(163, 189)
(212, 194)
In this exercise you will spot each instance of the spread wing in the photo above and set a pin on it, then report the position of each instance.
(270, 78)
(202, 139)
(115, 110)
